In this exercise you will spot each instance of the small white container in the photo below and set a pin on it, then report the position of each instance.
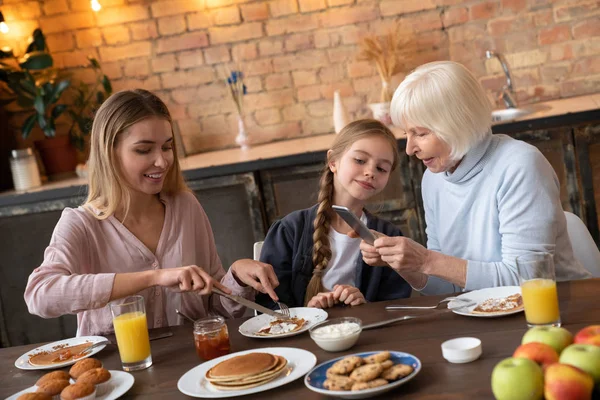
(336, 334)
(462, 350)
(25, 173)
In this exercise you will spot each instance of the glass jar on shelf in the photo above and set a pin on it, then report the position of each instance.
(24, 168)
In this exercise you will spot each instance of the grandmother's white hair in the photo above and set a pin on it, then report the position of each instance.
(444, 97)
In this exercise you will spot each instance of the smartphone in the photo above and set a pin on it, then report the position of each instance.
(355, 223)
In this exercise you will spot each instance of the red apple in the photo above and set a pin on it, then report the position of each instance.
(589, 335)
(541, 353)
(564, 381)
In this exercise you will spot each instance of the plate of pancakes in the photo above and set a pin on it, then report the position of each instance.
(267, 327)
(363, 375)
(246, 372)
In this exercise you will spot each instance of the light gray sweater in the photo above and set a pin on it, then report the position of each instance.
(502, 201)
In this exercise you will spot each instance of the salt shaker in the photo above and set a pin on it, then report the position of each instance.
(24, 168)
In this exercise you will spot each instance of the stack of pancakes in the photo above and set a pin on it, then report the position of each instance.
(246, 371)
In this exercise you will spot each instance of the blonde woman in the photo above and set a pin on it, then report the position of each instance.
(316, 263)
(487, 198)
(140, 231)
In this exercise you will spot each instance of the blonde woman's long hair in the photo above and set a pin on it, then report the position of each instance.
(108, 190)
(351, 133)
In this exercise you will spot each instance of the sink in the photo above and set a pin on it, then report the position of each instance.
(508, 114)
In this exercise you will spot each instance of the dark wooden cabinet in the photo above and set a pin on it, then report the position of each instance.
(234, 207)
(23, 239)
(587, 144)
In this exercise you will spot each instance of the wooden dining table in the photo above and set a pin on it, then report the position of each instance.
(422, 337)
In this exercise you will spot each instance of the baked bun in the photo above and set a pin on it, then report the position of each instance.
(83, 365)
(53, 375)
(79, 391)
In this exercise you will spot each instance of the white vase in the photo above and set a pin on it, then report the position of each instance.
(381, 112)
(242, 138)
(340, 115)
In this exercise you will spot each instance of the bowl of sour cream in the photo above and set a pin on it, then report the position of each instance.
(336, 334)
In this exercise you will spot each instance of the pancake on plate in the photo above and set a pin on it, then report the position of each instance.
(281, 326)
(499, 305)
(246, 371)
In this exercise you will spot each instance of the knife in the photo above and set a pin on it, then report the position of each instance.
(388, 321)
(250, 304)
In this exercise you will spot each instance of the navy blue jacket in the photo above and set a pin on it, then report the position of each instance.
(288, 248)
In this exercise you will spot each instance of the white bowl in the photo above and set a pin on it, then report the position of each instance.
(336, 341)
(462, 350)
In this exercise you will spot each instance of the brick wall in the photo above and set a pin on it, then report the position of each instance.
(295, 53)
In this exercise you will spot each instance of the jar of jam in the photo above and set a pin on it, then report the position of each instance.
(211, 337)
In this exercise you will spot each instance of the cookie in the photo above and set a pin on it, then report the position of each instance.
(341, 383)
(366, 373)
(346, 365)
(386, 364)
(369, 385)
(378, 357)
(397, 371)
(331, 375)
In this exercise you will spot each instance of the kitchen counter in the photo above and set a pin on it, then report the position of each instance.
(306, 150)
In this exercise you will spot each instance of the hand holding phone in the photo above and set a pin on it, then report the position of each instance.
(355, 223)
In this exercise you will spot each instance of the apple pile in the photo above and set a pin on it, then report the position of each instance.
(550, 363)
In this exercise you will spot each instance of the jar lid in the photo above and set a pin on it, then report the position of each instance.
(22, 153)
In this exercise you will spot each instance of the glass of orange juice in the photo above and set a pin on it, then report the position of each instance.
(538, 288)
(131, 330)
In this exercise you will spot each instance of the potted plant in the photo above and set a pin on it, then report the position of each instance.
(38, 87)
(383, 51)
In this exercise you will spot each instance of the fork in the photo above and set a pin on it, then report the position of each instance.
(425, 307)
(285, 310)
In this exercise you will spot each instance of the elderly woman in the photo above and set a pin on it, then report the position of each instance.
(487, 198)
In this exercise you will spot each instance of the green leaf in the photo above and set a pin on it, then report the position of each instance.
(99, 97)
(62, 85)
(28, 126)
(58, 110)
(39, 105)
(107, 85)
(50, 129)
(41, 119)
(48, 91)
(94, 62)
(28, 86)
(36, 60)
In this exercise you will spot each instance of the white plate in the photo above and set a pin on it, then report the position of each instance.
(193, 383)
(23, 361)
(477, 296)
(120, 383)
(312, 316)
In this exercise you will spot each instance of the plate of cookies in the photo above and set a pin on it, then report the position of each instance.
(363, 375)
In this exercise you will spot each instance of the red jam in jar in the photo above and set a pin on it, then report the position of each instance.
(211, 338)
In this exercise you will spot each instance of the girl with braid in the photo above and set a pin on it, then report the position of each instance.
(317, 264)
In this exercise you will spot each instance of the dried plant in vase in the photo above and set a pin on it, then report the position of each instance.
(384, 52)
(237, 90)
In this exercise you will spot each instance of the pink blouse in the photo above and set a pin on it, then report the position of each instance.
(79, 267)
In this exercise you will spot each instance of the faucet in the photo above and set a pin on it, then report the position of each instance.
(507, 94)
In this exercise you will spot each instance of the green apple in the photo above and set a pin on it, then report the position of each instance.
(517, 379)
(558, 338)
(583, 356)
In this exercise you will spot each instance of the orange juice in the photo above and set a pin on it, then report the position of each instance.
(131, 330)
(541, 301)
